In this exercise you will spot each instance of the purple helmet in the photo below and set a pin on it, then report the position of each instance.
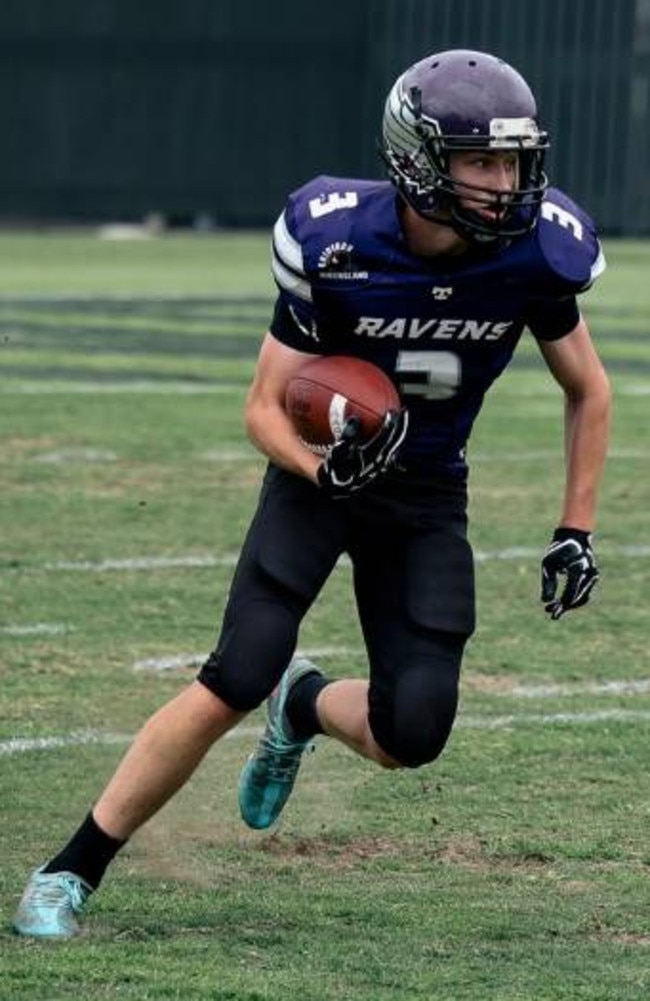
(464, 100)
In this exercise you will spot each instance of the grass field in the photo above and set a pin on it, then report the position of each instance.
(517, 867)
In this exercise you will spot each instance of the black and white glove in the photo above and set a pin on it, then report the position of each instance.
(352, 465)
(570, 555)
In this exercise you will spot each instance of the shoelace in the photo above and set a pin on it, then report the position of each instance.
(78, 894)
(281, 757)
(48, 892)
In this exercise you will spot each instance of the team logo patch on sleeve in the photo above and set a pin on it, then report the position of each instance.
(336, 262)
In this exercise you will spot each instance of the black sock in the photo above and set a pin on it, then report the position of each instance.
(301, 705)
(88, 853)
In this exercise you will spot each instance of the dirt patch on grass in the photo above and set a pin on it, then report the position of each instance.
(332, 852)
(622, 938)
(342, 853)
(468, 852)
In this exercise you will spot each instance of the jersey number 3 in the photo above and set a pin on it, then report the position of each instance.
(433, 375)
(332, 203)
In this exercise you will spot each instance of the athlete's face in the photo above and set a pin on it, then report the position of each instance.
(494, 172)
(479, 176)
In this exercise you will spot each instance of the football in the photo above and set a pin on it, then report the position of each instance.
(330, 389)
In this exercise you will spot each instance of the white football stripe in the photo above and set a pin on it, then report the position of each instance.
(336, 415)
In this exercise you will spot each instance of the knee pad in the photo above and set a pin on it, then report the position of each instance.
(413, 719)
(253, 651)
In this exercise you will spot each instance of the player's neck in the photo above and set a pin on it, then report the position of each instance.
(430, 239)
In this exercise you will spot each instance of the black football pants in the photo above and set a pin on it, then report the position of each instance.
(414, 588)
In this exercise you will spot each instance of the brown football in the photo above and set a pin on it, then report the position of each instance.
(329, 389)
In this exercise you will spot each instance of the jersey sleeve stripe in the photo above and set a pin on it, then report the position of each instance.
(287, 247)
(599, 264)
(289, 280)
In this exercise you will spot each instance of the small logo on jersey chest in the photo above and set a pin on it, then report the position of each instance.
(335, 261)
(442, 292)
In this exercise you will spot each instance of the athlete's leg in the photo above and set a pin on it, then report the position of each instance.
(259, 635)
(415, 593)
(303, 538)
(257, 642)
(414, 587)
(342, 709)
(161, 759)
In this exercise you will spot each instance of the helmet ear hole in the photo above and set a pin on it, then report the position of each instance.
(436, 107)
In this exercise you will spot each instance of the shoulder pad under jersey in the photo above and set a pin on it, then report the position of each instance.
(320, 218)
(569, 244)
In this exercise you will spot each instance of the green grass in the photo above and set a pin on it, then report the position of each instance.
(514, 869)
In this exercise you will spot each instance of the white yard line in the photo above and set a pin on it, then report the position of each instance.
(177, 662)
(61, 456)
(145, 563)
(640, 686)
(631, 686)
(180, 661)
(235, 453)
(552, 454)
(20, 745)
(202, 561)
(107, 388)
(529, 552)
(550, 719)
(23, 745)
(37, 629)
(179, 388)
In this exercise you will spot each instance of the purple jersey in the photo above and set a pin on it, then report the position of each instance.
(442, 328)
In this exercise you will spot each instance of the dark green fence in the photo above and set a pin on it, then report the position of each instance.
(215, 108)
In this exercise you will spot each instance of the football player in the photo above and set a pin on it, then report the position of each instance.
(433, 275)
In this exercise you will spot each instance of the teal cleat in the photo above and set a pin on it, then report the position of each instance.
(268, 776)
(50, 905)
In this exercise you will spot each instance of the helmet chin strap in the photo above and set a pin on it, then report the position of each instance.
(477, 234)
(474, 235)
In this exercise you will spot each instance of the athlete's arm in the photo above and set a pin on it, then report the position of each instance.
(573, 361)
(267, 423)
